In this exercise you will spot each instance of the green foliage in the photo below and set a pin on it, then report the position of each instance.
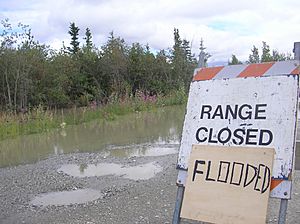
(182, 61)
(203, 56)
(234, 61)
(41, 119)
(115, 77)
(266, 55)
(22, 62)
(254, 56)
(114, 66)
(74, 32)
(32, 74)
(78, 84)
(88, 39)
(276, 56)
(176, 97)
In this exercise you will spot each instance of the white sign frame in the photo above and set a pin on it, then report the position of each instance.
(280, 93)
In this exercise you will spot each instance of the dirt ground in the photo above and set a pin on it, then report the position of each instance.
(122, 201)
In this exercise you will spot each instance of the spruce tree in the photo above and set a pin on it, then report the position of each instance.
(234, 61)
(88, 39)
(74, 32)
(266, 55)
(254, 56)
(203, 55)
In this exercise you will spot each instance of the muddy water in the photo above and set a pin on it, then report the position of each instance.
(138, 134)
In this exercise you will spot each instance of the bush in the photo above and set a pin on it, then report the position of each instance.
(40, 119)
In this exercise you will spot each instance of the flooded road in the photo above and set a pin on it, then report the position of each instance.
(153, 133)
(121, 171)
(131, 135)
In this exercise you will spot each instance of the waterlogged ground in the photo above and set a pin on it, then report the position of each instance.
(116, 138)
(57, 191)
(119, 171)
(123, 172)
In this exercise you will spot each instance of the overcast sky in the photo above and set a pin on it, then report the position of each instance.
(227, 27)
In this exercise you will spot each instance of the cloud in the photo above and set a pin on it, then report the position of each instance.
(227, 28)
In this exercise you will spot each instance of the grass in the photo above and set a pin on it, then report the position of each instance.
(40, 120)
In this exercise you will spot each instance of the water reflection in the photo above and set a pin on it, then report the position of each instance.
(83, 167)
(162, 126)
(140, 172)
(139, 150)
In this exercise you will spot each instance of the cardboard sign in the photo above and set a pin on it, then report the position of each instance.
(228, 184)
(252, 112)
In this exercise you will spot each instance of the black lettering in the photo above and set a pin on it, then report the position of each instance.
(198, 133)
(258, 110)
(266, 181)
(258, 177)
(261, 137)
(250, 136)
(220, 171)
(233, 113)
(210, 137)
(196, 168)
(247, 182)
(233, 173)
(247, 112)
(220, 139)
(238, 136)
(206, 109)
(218, 112)
(208, 171)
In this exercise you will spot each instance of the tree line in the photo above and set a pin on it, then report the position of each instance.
(33, 74)
(267, 55)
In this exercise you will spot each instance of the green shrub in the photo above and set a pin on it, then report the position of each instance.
(41, 119)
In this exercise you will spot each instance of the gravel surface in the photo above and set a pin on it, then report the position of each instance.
(123, 200)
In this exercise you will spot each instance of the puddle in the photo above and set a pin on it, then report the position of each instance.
(80, 196)
(163, 125)
(141, 172)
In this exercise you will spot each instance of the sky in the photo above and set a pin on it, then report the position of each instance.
(227, 27)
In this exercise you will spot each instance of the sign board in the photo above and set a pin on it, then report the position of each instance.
(228, 184)
(252, 112)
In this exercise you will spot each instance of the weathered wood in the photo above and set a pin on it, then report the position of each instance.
(228, 184)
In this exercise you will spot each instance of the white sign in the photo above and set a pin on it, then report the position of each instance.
(252, 112)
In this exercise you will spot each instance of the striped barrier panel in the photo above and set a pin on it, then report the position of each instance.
(248, 70)
(281, 182)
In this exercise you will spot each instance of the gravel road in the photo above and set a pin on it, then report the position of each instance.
(122, 200)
